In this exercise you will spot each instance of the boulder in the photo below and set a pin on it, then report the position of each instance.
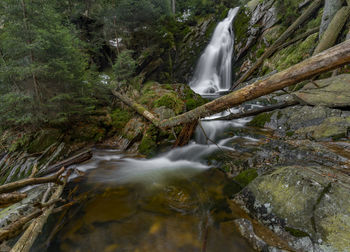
(333, 92)
(306, 201)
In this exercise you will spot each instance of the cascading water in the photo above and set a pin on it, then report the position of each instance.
(214, 69)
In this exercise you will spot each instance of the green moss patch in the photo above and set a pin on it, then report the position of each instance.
(260, 120)
(120, 118)
(171, 101)
(245, 177)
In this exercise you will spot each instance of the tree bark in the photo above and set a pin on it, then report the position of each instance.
(334, 28)
(138, 108)
(30, 181)
(271, 50)
(7, 199)
(257, 111)
(77, 159)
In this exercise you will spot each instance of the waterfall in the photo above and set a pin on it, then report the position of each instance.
(214, 69)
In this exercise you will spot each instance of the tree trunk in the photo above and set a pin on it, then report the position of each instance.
(330, 9)
(173, 6)
(30, 181)
(334, 28)
(77, 159)
(138, 108)
(271, 50)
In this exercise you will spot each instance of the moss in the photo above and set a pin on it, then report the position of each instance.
(241, 24)
(171, 101)
(44, 139)
(296, 232)
(290, 133)
(260, 120)
(148, 144)
(245, 177)
(20, 143)
(120, 118)
(294, 53)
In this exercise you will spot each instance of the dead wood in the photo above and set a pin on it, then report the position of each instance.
(186, 134)
(30, 181)
(333, 30)
(26, 241)
(17, 227)
(77, 159)
(7, 199)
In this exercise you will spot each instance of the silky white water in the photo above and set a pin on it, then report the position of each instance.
(214, 69)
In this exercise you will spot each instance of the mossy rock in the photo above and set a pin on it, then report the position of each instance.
(260, 120)
(170, 101)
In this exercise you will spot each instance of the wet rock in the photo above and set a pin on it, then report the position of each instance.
(247, 231)
(333, 92)
(302, 122)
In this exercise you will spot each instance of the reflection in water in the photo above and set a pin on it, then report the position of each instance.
(186, 212)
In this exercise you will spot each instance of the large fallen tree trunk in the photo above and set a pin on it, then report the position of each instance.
(273, 48)
(328, 60)
(333, 30)
(77, 159)
(30, 181)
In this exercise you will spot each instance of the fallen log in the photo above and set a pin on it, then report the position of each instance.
(271, 50)
(333, 30)
(186, 134)
(26, 241)
(7, 199)
(254, 112)
(77, 159)
(300, 37)
(137, 107)
(333, 58)
(17, 227)
(30, 181)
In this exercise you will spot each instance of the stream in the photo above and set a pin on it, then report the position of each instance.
(175, 201)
